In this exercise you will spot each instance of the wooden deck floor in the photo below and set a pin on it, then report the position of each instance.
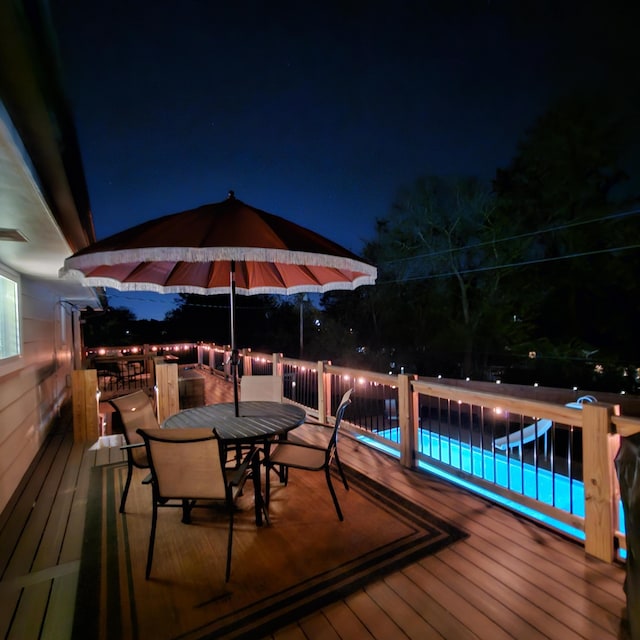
(509, 579)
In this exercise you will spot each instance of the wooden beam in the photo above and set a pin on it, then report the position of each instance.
(324, 393)
(168, 391)
(408, 426)
(85, 402)
(599, 481)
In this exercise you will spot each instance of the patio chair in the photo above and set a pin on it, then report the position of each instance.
(299, 455)
(261, 388)
(187, 466)
(265, 388)
(134, 411)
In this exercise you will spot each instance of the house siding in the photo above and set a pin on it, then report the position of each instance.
(31, 396)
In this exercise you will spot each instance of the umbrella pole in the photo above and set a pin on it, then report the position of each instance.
(234, 350)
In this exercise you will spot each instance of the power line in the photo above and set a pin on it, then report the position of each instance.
(528, 234)
(514, 264)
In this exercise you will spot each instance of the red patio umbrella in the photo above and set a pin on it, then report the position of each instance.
(226, 247)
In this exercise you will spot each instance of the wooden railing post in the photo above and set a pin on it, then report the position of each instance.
(324, 393)
(599, 481)
(408, 430)
(200, 355)
(276, 367)
(85, 403)
(226, 363)
(168, 397)
(150, 365)
(247, 363)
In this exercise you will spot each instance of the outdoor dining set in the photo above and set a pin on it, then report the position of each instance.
(203, 456)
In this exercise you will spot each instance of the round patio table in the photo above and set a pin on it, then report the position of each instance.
(257, 423)
(257, 420)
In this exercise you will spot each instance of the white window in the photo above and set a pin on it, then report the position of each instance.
(10, 345)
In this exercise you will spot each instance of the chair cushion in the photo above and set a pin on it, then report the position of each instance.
(261, 388)
(302, 457)
(187, 469)
(135, 411)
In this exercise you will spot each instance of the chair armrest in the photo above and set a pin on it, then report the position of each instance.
(135, 445)
(239, 473)
(302, 445)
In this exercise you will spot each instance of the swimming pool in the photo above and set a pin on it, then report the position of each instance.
(554, 489)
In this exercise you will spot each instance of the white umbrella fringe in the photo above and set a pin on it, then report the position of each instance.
(195, 254)
(158, 288)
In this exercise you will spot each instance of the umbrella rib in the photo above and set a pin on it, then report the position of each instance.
(311, 275)
(139, 268)
(175, 267)
(281, 278)
(210, 273)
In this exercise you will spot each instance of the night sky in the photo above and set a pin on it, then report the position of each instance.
(318, 112)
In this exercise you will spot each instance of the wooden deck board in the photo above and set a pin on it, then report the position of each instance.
(28, 597)
(318, 626)
(597, 606)
(14, 536)
(345, 622)
(58, 623)
(379, 623)
(56, 526)
(409, 620)
(512, 610)
(453, 595)
(441, 619)
(291, 632)
(510, 578)
(30, 611)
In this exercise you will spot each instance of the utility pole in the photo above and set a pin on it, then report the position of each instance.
(303, 298)
(301, 329)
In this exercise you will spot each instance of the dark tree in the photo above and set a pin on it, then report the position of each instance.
(115, 326)
(567, 197)
(439, 292)
(263, 322)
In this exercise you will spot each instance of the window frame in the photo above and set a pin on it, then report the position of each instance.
(13, 362)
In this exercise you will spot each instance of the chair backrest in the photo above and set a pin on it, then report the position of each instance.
(185, 463)
(261, 388)
(344, 403)
(135, 412)
(333, 442)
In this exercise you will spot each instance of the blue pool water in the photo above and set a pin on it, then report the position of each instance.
(553, 489)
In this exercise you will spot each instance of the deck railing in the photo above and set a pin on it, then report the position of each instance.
(558, 464)
(127, 368)
(539, 456)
